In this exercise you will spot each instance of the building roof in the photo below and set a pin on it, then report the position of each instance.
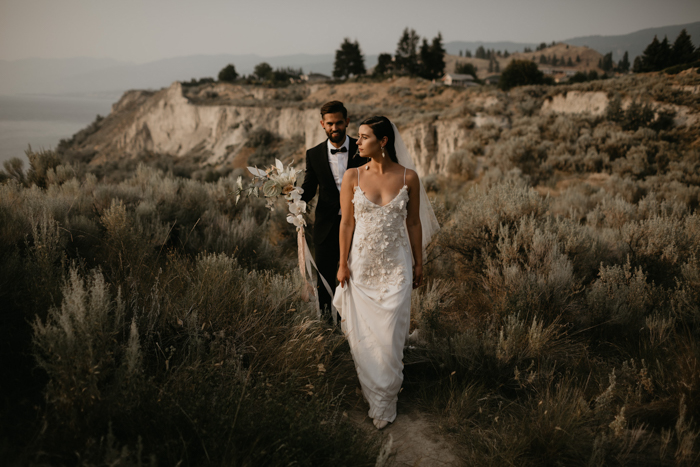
(313, 75)
(459, 77)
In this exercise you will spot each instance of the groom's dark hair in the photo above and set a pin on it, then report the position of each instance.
(381, 126)
(334, 107)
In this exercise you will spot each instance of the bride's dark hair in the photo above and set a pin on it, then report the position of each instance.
(381, 126)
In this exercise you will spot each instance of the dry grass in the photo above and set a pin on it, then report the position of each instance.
(559, 326)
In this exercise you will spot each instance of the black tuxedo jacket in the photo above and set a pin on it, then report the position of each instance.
(319, 175)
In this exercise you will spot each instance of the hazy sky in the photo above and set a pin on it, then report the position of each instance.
(144, 30)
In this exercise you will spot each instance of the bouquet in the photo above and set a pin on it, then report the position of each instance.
(276, 182)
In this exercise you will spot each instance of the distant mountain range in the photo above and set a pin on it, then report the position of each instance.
(95, 76)
(636, 42)
(98, 76)
(633, 43)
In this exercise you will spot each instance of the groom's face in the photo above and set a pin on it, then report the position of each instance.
(335, 126)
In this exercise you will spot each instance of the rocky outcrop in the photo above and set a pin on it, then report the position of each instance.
(214, 122)
(167, 122)
(573, 102)
(596, 103)
(431, 144)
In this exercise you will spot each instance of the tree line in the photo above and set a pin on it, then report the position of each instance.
(486, 54)
(263, 73)
(413, 57)
(660, 55)
(416, 56)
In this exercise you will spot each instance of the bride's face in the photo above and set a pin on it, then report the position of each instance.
(367, 142)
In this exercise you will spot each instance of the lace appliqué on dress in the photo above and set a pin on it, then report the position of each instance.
(380, 234)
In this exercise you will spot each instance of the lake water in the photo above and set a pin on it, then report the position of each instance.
(43, 121)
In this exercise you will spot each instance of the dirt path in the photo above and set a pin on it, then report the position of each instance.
(415, 440)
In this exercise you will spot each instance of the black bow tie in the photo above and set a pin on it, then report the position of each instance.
(342, 149)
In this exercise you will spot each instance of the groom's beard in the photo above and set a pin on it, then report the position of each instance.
(336, 137)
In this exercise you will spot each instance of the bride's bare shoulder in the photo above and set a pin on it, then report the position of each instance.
(350, 178)
(411, 176)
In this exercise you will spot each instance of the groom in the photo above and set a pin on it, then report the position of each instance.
(325, 166)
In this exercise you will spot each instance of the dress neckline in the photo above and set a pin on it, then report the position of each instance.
(357, 187)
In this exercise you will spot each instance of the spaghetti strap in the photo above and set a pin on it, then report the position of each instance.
(358, 178)
(404, 177)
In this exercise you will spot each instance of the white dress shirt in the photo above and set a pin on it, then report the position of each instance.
(339, 161)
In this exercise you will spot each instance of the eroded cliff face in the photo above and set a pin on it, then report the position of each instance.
(215, 122)
(596, 103)
(167, 122)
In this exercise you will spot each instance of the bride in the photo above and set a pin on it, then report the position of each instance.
(386, 223)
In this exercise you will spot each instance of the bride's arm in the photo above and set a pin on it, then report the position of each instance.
(413, 225)
(347, 223)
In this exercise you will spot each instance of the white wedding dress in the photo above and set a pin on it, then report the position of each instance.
(375, 304)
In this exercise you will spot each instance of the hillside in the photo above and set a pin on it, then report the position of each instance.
(588, 59)
(149, 316)
(212, 125)
(634, 43)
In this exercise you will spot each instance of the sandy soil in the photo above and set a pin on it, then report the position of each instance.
(415, 440)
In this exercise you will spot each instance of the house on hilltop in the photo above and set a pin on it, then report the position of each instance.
(492, 79)
(315, 77)
(456, 79)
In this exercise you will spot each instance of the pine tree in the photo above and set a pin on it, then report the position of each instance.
(437, 52)
(647, 60)
(664, 57)
(683, 50)
(506, 54)
(406, 58)
(480, 52)
(468, 53)
(606, 63)
(424, 70)
(384, 64)
(348, 60)
(543, 59)
(569, 62)
(432, 58)
(655, 56)
(490, 66)
(638, 65)
(496, 66)
(578, 59)
(460, 53)
(623, 65)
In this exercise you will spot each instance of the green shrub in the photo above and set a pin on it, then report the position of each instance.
(520, 73)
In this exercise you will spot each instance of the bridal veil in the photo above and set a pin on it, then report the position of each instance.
(427, 216)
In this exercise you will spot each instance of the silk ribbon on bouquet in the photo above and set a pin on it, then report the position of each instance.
(278, 181)
(305, 263)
